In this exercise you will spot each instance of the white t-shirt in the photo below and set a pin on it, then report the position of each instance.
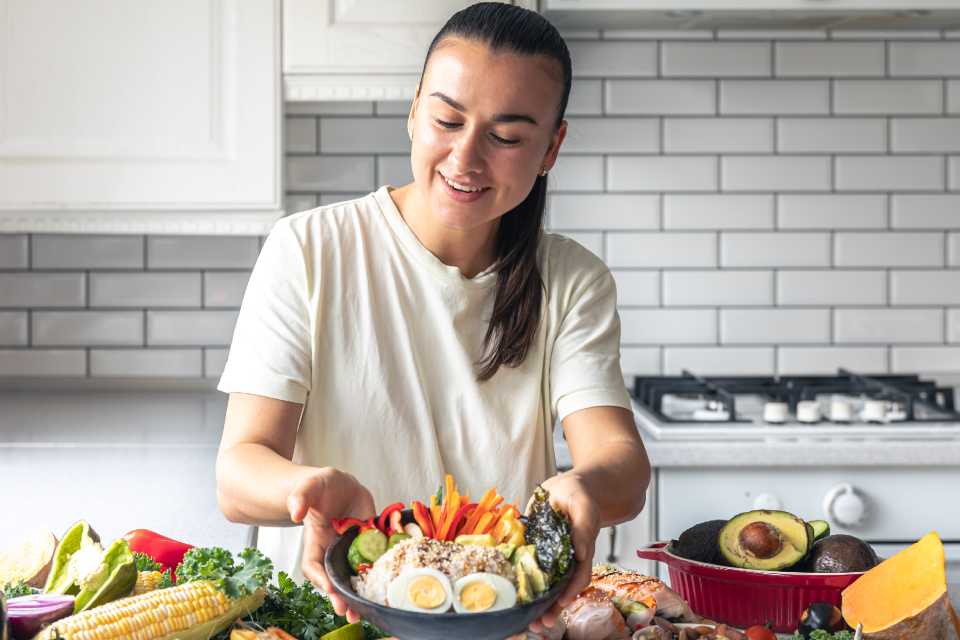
(347, 312)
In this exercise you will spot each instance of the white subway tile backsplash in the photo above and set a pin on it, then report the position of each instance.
(606, 59)
(771, 326)
(925, 360)
(717, 288)
(612, 135)
(888, 325)
(662, 173)
(603, 211)
(13, 251)
(145, 290)
(925, 211)
(719, 59)
(792, 361)
(775, 173)
(831, 211)
(820, 59)
(718, 211)
(332, 173)
(657, 34)
(888, 249)
(662, 250)
(586, 98)
(637, 288)
(837, 288)
(917, 287)
(668, 326)
(953, 96)
(328, 108)
(224, 288)
(13, 328)
(297, 202)
(577, 173)
(718, 135)
(885, 34)
(87, 252)
(42, 290)
(889, 173)
(953, 249)
(774, 97)
(28, 363)
(186, 328)
(930, 135)
(146, 363)
(953, 168)
(364, 135)
(953, 325)
(640, 361)
(300, 135)
(831, 135)
(335, 198)
(712, 361)
(924, 58)
(79, 328)
(661, 97)
(592, 241)
(793, 249)
(771, 34)
(201, 252)
(392, 107)
(394, 170)
(214, 362)
(892, 97)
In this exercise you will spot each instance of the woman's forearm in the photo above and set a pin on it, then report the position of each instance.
(617, 477)
(253, 483)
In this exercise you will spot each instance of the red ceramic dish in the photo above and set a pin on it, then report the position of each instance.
(745, 597)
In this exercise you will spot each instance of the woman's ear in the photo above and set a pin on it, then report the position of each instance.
(413, 111)
(550, 158)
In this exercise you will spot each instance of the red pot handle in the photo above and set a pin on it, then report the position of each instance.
(654, 551)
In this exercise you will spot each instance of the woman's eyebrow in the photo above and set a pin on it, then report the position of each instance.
(500, 117)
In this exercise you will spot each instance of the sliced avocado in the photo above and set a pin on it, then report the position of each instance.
(482, 540)
(113, 578)
(506, 549)
(699, 542)
(767, 540)
(62, 577)
(821, 528)
(525, 559)
(395, 538)
(524, 592)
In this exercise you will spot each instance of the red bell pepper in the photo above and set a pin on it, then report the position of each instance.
(422, 516)
(343, 525)
(396, 523)
(383, 522)
(165, 551)
(369, 524)
(449, 532)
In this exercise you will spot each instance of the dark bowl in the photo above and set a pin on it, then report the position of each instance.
(410, 625)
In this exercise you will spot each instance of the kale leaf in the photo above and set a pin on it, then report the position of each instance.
(17, 589)
(217, 565)
(819, 634)
(145, 562)
(549, 532)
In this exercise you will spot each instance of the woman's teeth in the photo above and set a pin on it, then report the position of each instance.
(460, 187)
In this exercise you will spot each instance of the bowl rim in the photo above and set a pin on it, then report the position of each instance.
(346, 590)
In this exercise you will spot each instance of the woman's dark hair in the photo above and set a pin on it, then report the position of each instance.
(519, 295)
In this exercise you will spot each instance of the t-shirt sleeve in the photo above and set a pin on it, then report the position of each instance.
(585, 365)
(271, 350)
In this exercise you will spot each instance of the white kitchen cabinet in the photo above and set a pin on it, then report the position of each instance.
(618, 545)
(752, 14)
(132, 117)
(360, 49)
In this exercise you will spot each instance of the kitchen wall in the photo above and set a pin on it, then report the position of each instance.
(776, 202)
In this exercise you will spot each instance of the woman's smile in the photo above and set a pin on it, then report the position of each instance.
(462, 192)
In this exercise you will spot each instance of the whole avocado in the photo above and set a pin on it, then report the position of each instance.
(841, 553)
(699, 542)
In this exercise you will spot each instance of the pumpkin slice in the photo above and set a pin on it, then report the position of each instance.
(904, 596)
(29, 561)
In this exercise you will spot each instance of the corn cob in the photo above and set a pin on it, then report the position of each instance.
(147, 581)
(192, 610)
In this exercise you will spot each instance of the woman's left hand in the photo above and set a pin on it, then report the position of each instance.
(568, 494)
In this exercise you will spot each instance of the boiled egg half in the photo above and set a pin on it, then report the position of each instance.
(483, 592)
(423, 590)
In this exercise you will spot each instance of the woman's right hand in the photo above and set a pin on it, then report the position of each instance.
(316, 500)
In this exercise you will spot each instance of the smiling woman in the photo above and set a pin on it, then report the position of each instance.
(433, 327)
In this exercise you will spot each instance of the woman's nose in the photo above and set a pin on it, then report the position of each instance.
(468, 153)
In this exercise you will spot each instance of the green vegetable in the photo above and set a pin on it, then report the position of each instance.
(819, 634)
(371, 544)
(549, 531)
(113, 577)
(145, 562)
(217, 565)
(17, 589)
(354, 557)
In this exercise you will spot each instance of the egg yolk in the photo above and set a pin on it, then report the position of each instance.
(478, 596)
(426, 592)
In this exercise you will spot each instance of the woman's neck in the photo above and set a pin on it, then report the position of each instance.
(472, 251)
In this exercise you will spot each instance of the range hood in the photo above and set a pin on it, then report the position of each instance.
(880, 15)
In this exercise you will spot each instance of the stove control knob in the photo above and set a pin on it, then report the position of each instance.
(767, 501)
(845, 506)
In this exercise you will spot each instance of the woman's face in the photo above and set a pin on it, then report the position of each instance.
(485, 122)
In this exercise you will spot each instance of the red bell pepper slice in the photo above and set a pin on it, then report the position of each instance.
(449, 532)
(363, 567)
(383, 522)
(370, 523)
(396, 523)
(167, 552)
(422, 516)
(343, 525)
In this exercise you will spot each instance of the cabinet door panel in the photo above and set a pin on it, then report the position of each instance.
(118, 106)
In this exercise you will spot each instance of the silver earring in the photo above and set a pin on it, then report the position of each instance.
(543, 172)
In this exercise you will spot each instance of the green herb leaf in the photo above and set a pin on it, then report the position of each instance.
(17, 589)
(217, 565)
(145, 562)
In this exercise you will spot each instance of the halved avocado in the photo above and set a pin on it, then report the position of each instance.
(821, 528)
(767, 540)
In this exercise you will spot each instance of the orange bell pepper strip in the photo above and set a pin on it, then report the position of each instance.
(448, 533)
(484, 525)
(482, 507)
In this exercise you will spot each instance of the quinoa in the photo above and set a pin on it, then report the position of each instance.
(449, 558)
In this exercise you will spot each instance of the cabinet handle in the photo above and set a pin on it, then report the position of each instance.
(612, 554)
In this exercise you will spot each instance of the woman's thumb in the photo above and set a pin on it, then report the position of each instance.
(297, 507)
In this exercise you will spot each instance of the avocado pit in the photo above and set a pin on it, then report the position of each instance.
(761, 540)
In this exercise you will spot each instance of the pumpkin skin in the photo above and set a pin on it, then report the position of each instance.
(939, 620)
